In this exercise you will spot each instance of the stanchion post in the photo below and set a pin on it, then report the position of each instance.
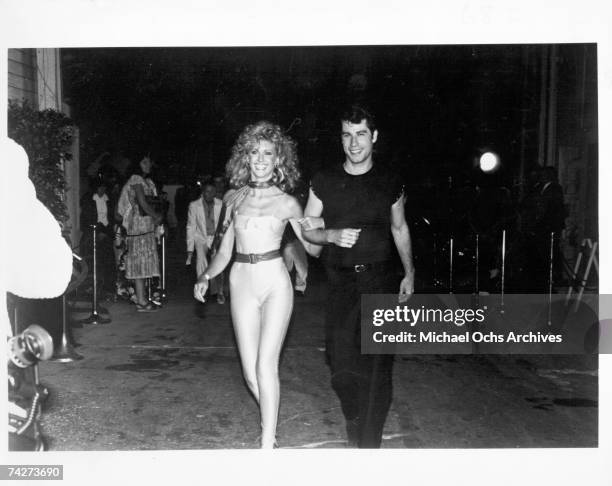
(65, 352)
(503, 270)
(450, 270)
(477, 267)
(94, 317)
(163, 279)
(550, 277)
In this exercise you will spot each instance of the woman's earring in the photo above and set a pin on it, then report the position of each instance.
(281, 175)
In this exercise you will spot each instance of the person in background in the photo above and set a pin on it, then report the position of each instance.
(550, 214)
(202, 220)
(220, 186)
(95, 209)
(220, 183)
(140, 219)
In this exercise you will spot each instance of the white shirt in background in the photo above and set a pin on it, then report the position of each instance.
(102, 208)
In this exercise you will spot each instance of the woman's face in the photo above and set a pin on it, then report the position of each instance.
(145, 165)
(262, 157)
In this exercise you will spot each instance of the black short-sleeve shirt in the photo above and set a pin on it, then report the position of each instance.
(358, 201)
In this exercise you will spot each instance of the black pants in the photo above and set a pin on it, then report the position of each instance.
(363, 383)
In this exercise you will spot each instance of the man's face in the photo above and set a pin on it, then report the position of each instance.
(209, 193)
(219, 186)
(101, 190)
(358, 141)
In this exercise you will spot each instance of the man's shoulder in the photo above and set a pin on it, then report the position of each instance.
(333, 170)
(327, 175)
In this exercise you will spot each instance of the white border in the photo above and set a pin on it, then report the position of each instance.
(88, 23)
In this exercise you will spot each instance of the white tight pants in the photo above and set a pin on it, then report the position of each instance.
(261, 305)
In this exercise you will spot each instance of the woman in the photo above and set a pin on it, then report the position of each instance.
(140, 219)
(262, 167)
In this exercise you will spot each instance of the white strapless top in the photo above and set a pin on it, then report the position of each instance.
(258, 234)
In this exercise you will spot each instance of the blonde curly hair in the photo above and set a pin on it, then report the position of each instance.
(286, 173)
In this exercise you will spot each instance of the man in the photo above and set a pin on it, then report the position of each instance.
(202, 219)
(219, 182)
(362, 208)
(549, 219)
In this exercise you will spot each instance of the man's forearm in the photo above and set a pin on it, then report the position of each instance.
(403, 243)
(317, 236)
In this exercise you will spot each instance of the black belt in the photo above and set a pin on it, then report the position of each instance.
(257, 257)
(363, 267)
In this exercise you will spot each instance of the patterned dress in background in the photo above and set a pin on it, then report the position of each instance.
(142, 259)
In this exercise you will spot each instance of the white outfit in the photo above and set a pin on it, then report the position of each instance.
(101, 208)
(198, 238)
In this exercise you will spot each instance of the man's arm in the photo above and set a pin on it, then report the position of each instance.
(403, 243)
(345, 237)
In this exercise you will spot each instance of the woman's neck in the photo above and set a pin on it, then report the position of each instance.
(261, 184)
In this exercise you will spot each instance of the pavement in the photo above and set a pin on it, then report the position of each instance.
(171, 380)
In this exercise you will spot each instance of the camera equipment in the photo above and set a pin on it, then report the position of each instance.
(31, 346)
(25, 350)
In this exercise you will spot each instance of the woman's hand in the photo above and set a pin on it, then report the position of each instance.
(199, 289)
(311, 222)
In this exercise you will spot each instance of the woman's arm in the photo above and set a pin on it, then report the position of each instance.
(295, 215)
(142, 202)
(217, 264)
(223, 256)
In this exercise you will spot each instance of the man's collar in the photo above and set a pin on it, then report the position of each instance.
(347, 164)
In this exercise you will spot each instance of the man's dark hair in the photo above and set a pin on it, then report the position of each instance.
(355, 113)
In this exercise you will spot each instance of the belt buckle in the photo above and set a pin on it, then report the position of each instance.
(252, 258)
(360, 268)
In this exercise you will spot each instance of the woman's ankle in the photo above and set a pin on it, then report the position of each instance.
(268, 443)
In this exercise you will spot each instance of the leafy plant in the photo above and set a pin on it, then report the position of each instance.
(46, 137)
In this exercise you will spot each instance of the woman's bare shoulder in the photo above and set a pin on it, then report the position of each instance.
(292, 205)
(228, 195)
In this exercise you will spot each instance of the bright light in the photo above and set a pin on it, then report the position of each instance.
(489, 162)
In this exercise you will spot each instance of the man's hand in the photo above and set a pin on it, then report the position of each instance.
(199, 290)
(189, 255)
(406, 288)
(345, 237)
